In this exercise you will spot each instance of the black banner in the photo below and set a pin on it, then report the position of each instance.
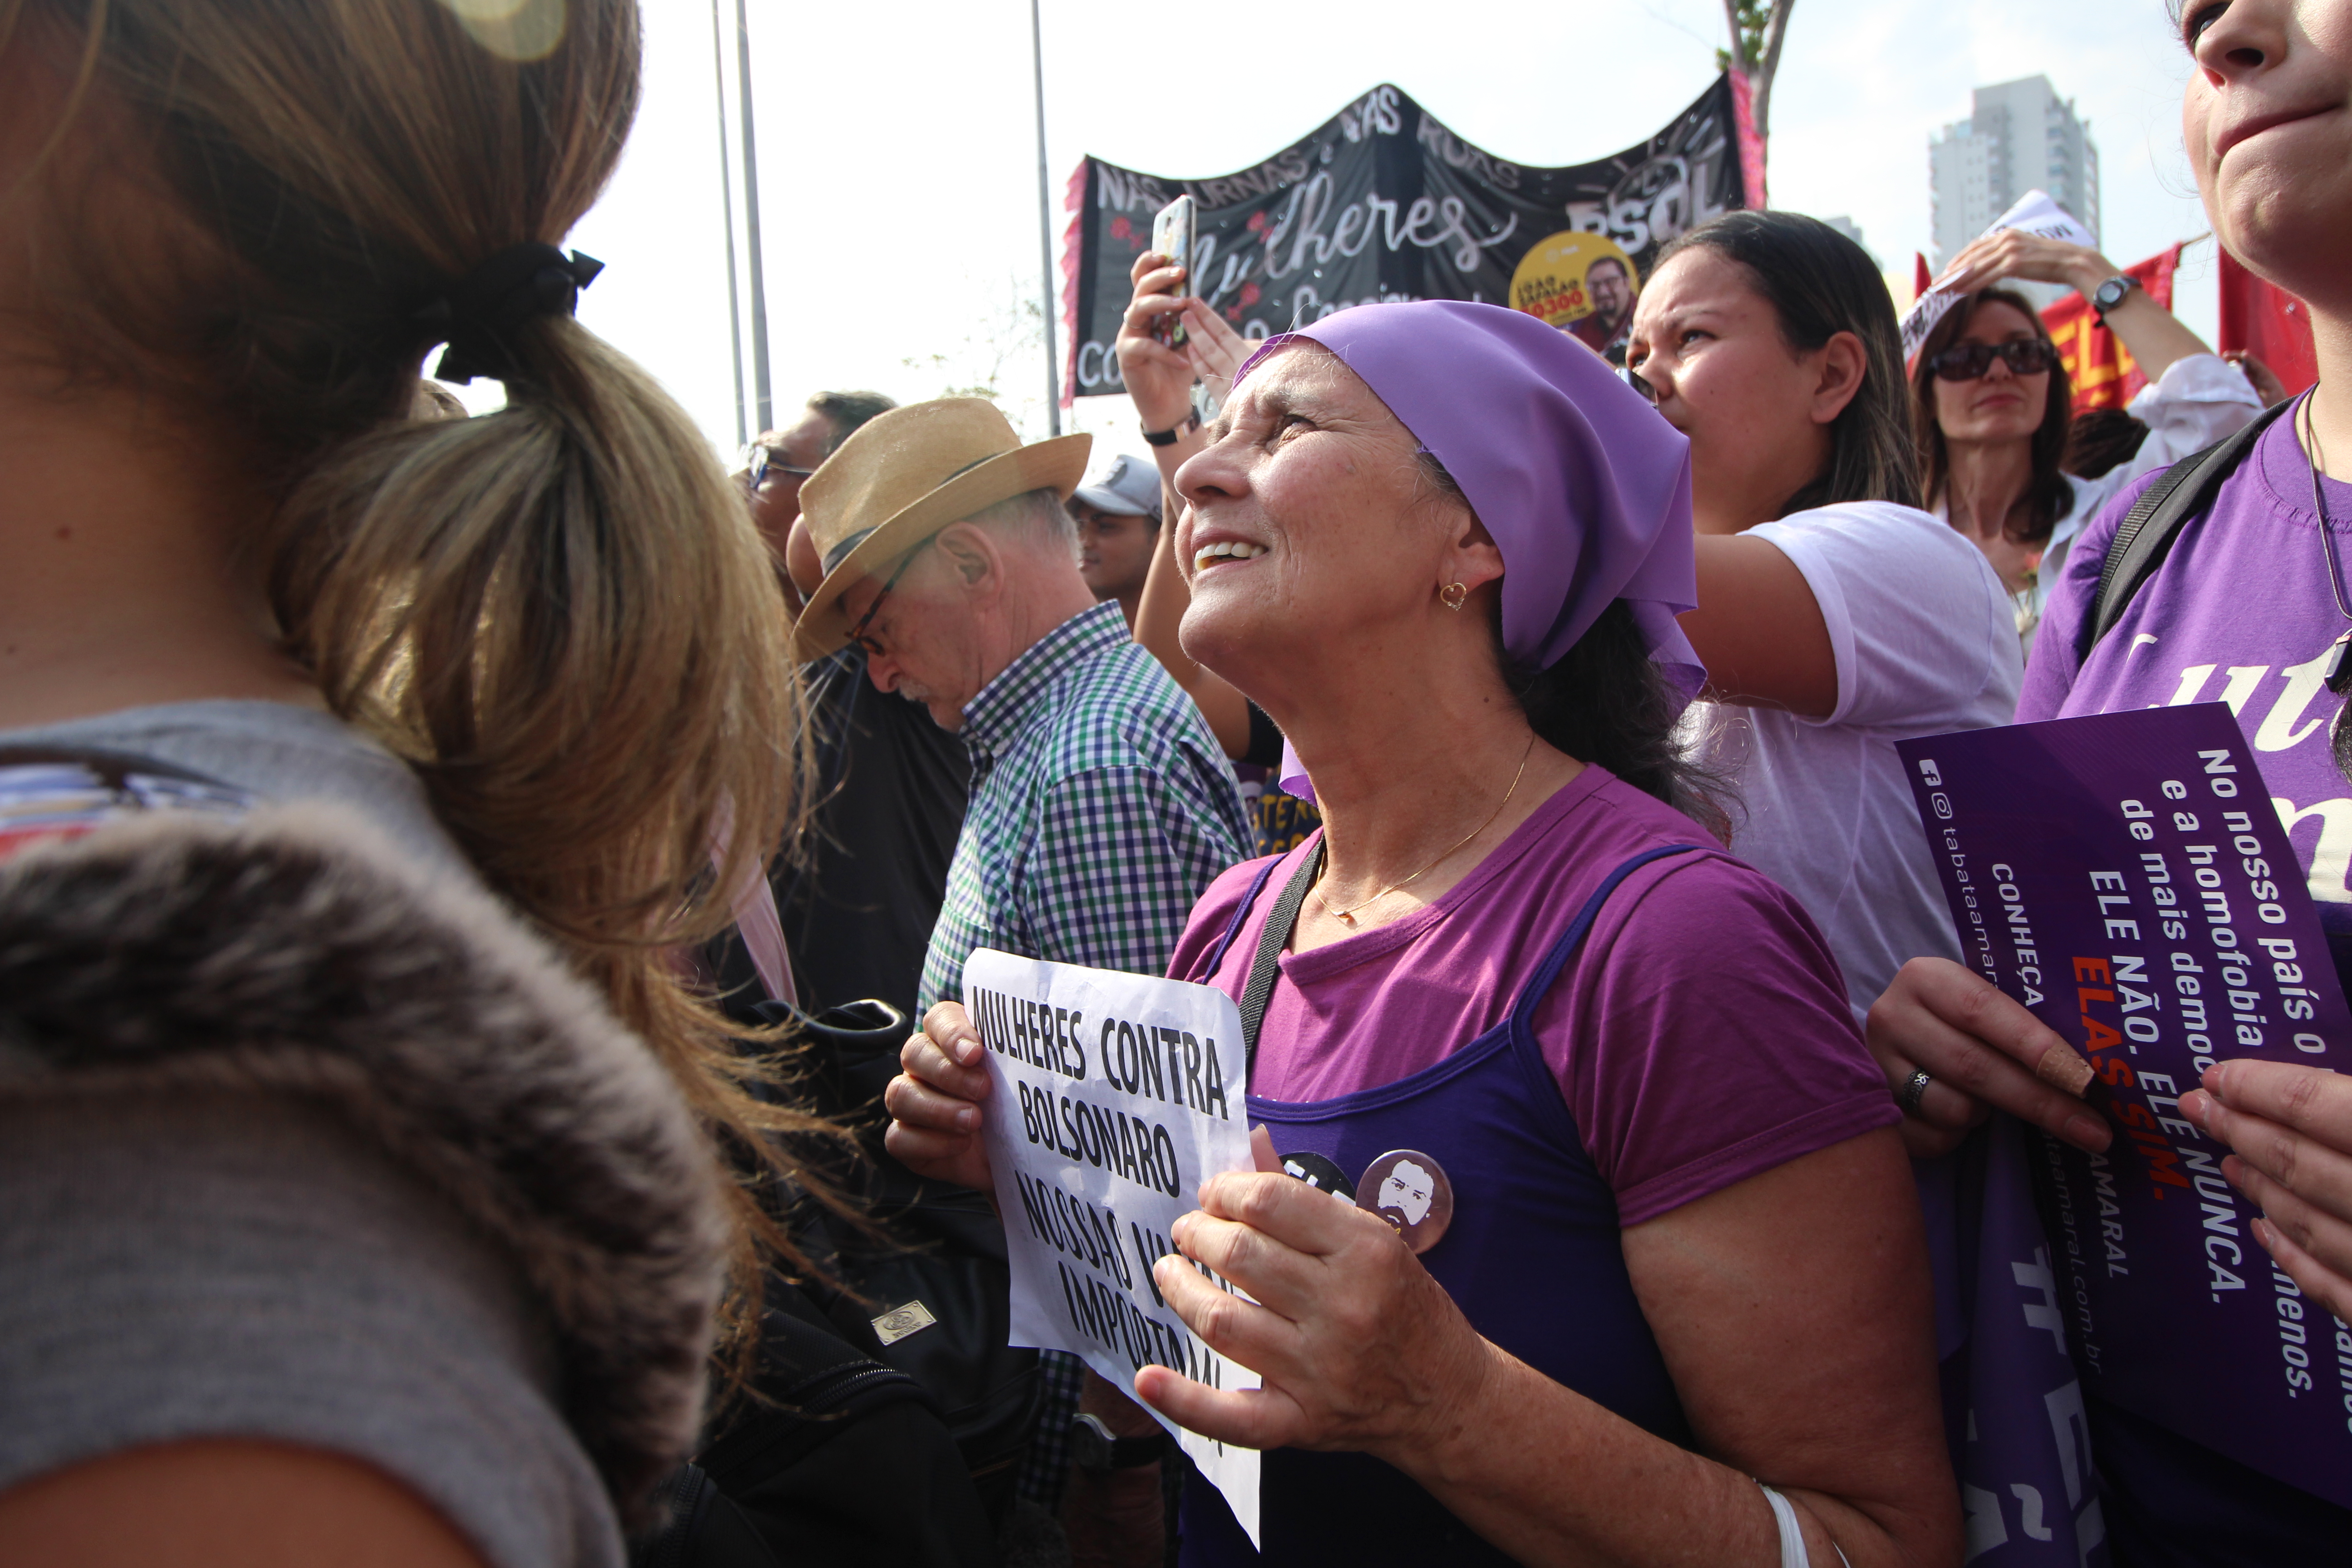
(1384, 203)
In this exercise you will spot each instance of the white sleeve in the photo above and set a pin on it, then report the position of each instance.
(2200, 399)
(1923, 632)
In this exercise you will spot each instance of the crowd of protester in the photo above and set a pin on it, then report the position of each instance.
(484, 901)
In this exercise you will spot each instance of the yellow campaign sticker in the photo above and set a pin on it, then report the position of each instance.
(1554, 280)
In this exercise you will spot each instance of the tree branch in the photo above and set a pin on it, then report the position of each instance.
(1740, 61)
(1776, 29)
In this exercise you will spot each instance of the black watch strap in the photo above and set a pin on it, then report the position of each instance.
(1092, 1448)
(2112, 293)
(1191, 421)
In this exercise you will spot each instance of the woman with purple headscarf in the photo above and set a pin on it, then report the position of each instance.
(1660, 1247)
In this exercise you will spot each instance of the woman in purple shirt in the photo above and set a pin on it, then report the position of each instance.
(2247, 609)
(1443, 546)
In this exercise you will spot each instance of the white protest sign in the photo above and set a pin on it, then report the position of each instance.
(1112, 1098)
(2034, 213)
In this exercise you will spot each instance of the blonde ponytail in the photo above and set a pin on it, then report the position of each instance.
(558, 613)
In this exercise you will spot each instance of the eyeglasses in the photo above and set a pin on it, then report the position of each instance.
(1966, 361)
(858, 632)
(759, 460)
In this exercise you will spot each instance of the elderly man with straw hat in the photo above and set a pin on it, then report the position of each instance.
(1101, 807)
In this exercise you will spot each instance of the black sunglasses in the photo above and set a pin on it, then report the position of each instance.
(1966, 361)
(858, 632)
(759, 460)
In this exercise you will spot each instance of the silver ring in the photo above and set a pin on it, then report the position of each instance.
(1907, 1097)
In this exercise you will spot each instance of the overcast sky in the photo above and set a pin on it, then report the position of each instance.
(898, 167)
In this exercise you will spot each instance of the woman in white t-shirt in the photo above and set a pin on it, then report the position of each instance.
(1992, 404)
(1835, 617)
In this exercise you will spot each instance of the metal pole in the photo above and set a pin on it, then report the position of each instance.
(727, 205)
(1045, 229)
(761, 400)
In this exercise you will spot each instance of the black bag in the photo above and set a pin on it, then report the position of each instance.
(891, 1416)
(834, 1460)
(705, 1529)
(931, 1293)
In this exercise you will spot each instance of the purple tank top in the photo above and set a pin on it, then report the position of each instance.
(1533, 1257)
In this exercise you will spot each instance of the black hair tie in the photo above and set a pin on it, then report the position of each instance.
(479, 315)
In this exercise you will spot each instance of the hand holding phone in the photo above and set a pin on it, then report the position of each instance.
(1172, 233)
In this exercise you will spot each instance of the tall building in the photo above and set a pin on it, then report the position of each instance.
(2021, 137)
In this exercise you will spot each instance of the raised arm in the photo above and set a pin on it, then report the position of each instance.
(1759, 629)
(1158, 620)
(1159, 379)
(2155, 336)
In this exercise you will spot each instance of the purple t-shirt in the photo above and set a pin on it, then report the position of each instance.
(1701, 1036)
(2241, 612)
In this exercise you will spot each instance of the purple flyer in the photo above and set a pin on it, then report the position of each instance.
(2124, 877)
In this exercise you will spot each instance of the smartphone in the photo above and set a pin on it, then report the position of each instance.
(1171, 237)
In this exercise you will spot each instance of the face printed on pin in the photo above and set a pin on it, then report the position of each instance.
(1409, 1189)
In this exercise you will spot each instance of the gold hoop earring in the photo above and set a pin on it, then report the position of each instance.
(1453, 595)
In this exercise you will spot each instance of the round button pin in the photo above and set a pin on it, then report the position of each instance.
(1321, 1174)
(1409, 1189)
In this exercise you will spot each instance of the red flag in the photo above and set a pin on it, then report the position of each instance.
(1074, 201)
(2269, 324)
(2102, 370)
(1751, 146)
(1921, 279)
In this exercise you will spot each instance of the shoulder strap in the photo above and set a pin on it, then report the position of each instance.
(1284, 915)
(2145, 535)
(1241, 912)
(1270, 943)
(1540, 984)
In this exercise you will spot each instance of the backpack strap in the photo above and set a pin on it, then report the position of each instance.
(2145, 535)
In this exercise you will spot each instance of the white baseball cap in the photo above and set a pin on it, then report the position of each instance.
(1129, 487)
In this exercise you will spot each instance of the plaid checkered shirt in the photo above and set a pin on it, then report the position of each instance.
(1101, 809)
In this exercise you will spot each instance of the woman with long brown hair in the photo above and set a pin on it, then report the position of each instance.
(356, 1127)
(1834, 617)
(1992, 402)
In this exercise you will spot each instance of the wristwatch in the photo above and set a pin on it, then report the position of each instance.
(1092, 1448)
(1191, 421)
(2110, 294)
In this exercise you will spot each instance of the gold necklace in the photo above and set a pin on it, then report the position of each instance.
(1349, 914)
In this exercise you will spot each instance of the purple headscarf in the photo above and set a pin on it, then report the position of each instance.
(1585, 489)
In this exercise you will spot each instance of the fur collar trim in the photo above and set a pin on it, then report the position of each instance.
(293, 951)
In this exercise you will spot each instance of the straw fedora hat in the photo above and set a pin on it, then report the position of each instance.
(901, 478)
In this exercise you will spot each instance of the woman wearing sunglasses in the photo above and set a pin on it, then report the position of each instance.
(1993, 405)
